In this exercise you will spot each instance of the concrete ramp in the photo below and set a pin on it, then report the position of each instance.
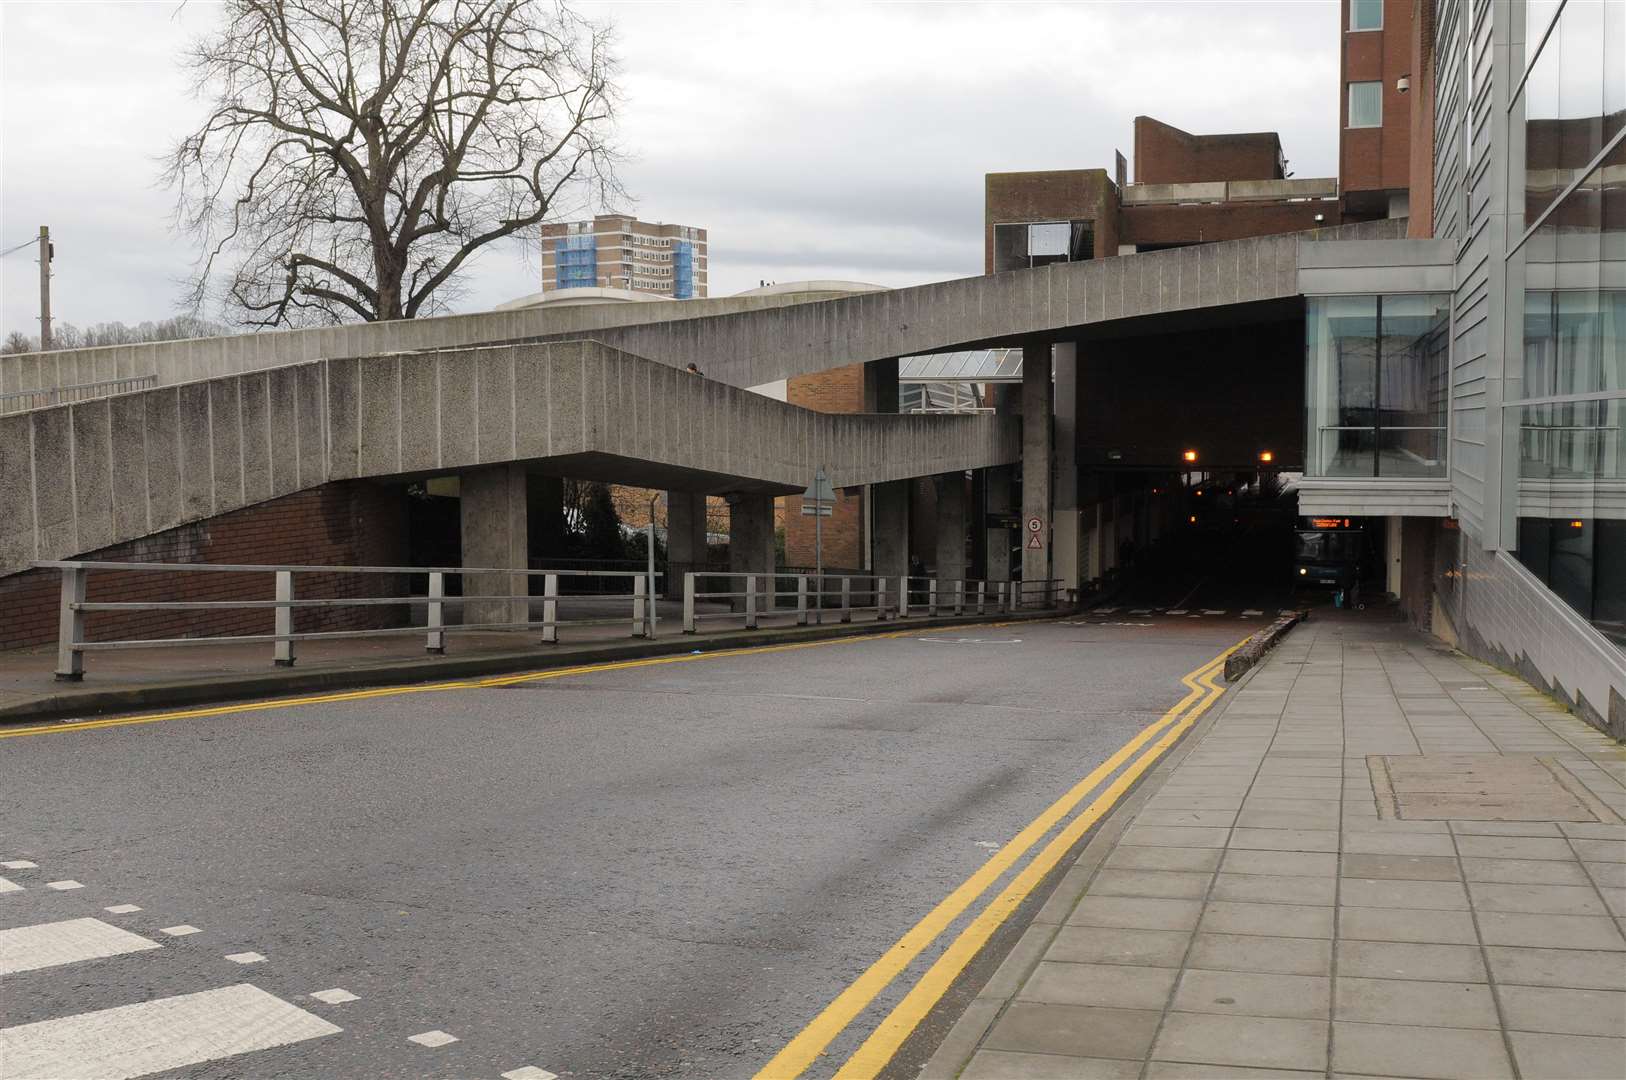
(78, 477)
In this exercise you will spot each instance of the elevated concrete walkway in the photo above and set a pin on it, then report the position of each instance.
(80, 477)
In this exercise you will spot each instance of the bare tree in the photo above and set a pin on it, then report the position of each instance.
(357, 153)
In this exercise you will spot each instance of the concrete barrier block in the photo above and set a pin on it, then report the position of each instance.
(378, 451)
(531, 401)
(197, 468)
(282, 424)
(343, 393)
(310, 408)
(128, 457)
(53, 489)
(254, 403)
(1247, 270)
(455, 389)
(1190, 294)
(494, 399)
(18, 544)
(1286, 252)
(419, 410)
(162, 409)
(226, 422)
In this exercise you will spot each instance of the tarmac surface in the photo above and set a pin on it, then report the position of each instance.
(661, 869)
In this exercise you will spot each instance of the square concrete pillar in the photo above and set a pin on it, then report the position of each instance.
(890, 528)
(1067, 531)
(685, 537)
(1037, 449)
(495, 534)
(951, 526)
(750, 541)
(999, 484)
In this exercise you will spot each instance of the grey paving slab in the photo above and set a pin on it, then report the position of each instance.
(1275, 888)
(1253, 993)
(1079, 1031)
(1253, 952)
(1550, 931)
(1389, 892)
(1136, 913)
(1566, 1057)
(1109, 985)
(1299, 863)
(1102, 945)
(1423, 1003)
(1186, 885)
(1406, 924)
(1185, 1070)
(1524, 871)
(1286, 920)
(1550, 899)
(1005, 1065)
(1402, 867)
(1410, 960)
(1254, 1041)
(1127, 857)
(1564, 1011)
(1425, 1052)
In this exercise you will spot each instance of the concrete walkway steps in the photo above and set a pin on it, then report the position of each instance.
(1379, 858)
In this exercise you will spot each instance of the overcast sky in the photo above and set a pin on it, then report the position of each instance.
(812, 141)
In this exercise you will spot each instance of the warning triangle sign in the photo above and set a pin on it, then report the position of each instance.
(1034, 544)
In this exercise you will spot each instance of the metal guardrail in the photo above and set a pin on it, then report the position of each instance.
(72, 646)
(759, 595)
(22, 400)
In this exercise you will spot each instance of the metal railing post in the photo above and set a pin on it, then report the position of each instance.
(435, 642)
(640, 617)
(982, 595)
(285, 618)
(688, 602)
(750, 601)
(550, 609)
(931, 597)
(70, 660)
(846, 599)
(1004, 597)
(959, 597)
(903, 597)
(801, 599)
(880, 598)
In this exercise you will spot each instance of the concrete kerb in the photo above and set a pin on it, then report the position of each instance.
(1072, 878)
(89, 702)
(1250, 652)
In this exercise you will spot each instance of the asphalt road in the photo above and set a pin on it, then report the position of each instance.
(664, 870)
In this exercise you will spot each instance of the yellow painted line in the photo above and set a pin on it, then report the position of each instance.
(506, 680)
(876, 1051)
(808, 1044)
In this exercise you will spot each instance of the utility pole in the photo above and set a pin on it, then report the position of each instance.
(45, 287)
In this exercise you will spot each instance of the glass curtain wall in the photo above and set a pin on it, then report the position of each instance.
(1377, 380)
(1566, 410)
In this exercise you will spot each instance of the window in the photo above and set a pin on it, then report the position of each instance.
(1365, 104)
(1366, 14)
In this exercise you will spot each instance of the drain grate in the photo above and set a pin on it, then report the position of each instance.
(1480, 787)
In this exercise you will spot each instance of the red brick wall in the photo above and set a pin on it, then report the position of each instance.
(1421, 175)
(1166, 155)
(347, 523)
(1377, 159)
(1223, 221)
(1062, 195)
(839, 390)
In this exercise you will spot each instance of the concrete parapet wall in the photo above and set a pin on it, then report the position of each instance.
(83, 476)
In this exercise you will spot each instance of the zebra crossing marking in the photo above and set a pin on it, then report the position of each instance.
(432, 1038)
(44, 945)
(529, 1072)
(180, 931)
(335, 996)
(155, 1036)
(7, 885)
(63, 886)
(19, 864)
(245, 958)
(121, 909)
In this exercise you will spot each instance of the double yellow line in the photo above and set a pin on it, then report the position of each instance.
(877, 1050)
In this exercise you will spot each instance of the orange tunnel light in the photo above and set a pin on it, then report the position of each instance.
(1190, 455)
(1266, 456)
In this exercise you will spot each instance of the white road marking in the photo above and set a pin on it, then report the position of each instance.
(529, 1072)
(1105, 610)
(334, 996)
(9, 886)
(432, 1038)
(970, 641)
(63, 886)
(245, 958)
(1177, 611)
(19, 864)
(121, 909)
(180, 931)
(1140, 611)
(1253, 611)
(155, 1036)
(1212, 611)
(30, 948)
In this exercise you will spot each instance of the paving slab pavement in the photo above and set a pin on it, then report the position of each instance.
(1379, 858)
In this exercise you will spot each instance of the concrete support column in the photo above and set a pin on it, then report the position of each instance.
(999, 484)
(881, 396)
(890, 537)
(685, 537)
(750, 539)
(495, 531)
(881, 386)
(1067, 535)
(1037, 406)
(951, 523)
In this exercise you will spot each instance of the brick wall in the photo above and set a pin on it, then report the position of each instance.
(839, 390)
(1377, 159)
(346, 523)
(1206, 223)
(1166, 155)
(1060, 195)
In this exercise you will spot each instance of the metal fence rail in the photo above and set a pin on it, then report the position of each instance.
(759, 594)
(72, 645)
(21, 400)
